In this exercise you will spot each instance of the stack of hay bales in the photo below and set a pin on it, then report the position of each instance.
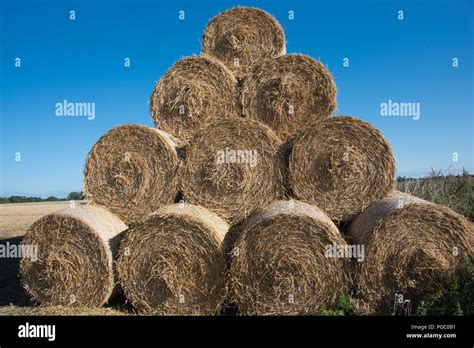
(247, 144)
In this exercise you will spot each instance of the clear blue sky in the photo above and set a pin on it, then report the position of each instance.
(82, 61)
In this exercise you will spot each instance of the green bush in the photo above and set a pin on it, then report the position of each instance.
(344, 307)
(454, 295)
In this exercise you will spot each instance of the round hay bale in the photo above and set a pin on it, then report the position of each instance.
(193, 91)
(279, 264)
(409, 245)
(76, 248)
(364, 223)
(172, 263)
(342, 166)
(243, 36)
(233, 166)
(132, 170)
(289, 94)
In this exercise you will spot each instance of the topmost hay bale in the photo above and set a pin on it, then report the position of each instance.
(194, 90)
(75, 252)
(289, 94)
(132, 170)
(410, 246)
(342, 166)
(280, 265)
(243, 36)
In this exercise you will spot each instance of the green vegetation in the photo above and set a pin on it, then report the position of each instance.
(453, 191)
(344, 307)
(455, 294)
(73, 196)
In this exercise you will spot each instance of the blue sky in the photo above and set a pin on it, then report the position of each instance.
(82, 60)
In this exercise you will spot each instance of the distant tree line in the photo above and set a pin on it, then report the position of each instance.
(73, 196)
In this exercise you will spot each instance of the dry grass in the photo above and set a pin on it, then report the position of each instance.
(14, 299)
(193, 91)
(172, 264)
(75, 252)
(279, 266)
(59, 311)
(289, 94)
(453, 191)
(410, 244)
(243, 36)
(342, 165)
(132, 170)
(15, 218)
(233, 186)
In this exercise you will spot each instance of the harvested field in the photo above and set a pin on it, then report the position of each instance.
(15, 218)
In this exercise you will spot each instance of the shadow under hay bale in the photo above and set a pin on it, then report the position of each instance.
(342, 165)
(76, 248)
(243, 36)
(132, 170)
(280, 266)
(173, 264)
(289, 94)
(410, 246)
(11, 291)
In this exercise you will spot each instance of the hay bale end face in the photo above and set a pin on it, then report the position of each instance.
(233, 166)
(172, 264)
(132, 170)
(279, 265)
(342, 166)
(409, 244)
(193, 91)
(243, 36)
(289, 94)
(76, 248)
